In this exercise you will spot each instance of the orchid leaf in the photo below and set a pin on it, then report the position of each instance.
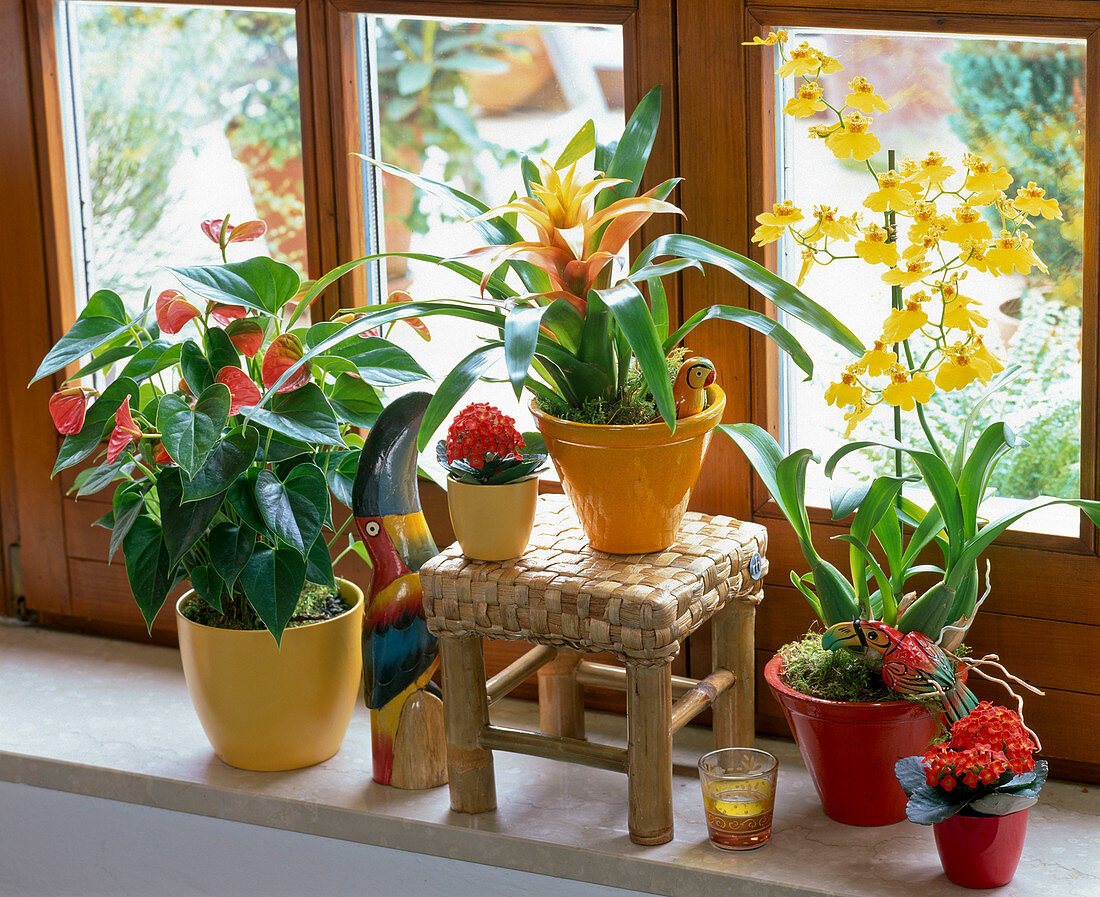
(995, 442)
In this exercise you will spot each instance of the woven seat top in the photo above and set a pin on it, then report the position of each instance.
(562, 592)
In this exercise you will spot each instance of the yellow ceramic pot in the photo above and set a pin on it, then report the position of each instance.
(265, 707)
(493, 523)
(630, 485)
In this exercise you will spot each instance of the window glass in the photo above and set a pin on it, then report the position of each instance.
(461, 101)
(1019, 103)
(178, 114)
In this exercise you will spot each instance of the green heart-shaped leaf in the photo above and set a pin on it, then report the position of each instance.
(208, 585)
(184, 524)
(272, 581)
(127, 505)
(148, 567)
(295, 509)
(229, 458)
(230, 549)
(189, 434)
(304, 414)
(355, 401)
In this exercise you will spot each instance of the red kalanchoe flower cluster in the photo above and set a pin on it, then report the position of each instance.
(479, 430)
(984, 745)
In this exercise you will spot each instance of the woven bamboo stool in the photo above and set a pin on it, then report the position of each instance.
(572, 600)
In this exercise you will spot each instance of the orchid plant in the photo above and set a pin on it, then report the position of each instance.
(572, 320)
(927, 233)
(213, 484)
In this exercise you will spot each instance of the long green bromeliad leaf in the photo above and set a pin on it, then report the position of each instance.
(521, 334)
(633, 149)
(754, 320)
(785, 296)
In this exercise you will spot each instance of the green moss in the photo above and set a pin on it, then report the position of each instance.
(833, 675)
(633, 405)
(315, 604)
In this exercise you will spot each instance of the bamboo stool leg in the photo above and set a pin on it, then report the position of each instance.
(735, 650)
(649, 752)
(561, 698)
(466, 713)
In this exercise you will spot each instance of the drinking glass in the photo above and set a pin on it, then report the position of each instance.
(738, 796)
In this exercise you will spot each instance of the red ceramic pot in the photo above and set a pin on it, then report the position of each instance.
(981, 851)
(850, 750)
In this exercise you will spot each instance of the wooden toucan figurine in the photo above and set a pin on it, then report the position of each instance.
(689, 389)
(399, 654)
(912, 664)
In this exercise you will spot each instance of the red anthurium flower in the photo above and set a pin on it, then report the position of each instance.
(68, 407)
(161, 456)
(125, 432)
(224, 314)
(283, 352)
(236, 233)
(242, 389)
(247, 335)
(173, 311)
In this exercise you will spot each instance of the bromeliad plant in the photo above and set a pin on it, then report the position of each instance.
(985, 767)
(931, 340)
(482, 448)
(572, 321)
(216, 484)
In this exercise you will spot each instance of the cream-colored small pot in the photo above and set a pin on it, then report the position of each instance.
(268, 708)
(493, 523)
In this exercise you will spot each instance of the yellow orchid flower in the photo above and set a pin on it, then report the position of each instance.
(807, 102)
(987, 184)
(773, 223)
(914, 270)
(828, 224)
(904, 392)
(878, 359)
(860, 412)
(845, 391)
(1030, 200)
(925, 219)
(958, 316)
(978, 350)
(829, 65)
(807, 263)
(1007, 254)
(960, 369)
(854, 141)
(932, 171)
(803, 60)
(973, 255)
(892, 194)
(1027, 245)
(920, 248)
(903, 322)
(864, 98)
(773, 38)
(874, 249)
(823, 132)
(969, 226)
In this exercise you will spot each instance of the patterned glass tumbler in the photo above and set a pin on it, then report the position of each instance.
(738, 796)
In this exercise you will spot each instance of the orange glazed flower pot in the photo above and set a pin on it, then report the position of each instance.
(850, 749)
(630, 485)
(270, 708)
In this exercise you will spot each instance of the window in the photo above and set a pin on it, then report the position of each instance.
(461, 102)
(1018, 102)
(150, 156)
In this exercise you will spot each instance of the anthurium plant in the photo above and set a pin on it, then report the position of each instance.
(925, 234)
(572, 320)
(984, 767)
(483, 448)
(214, 485)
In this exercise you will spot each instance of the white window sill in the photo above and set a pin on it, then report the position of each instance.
(113, 720)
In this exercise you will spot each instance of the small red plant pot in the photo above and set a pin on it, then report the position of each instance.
(981, 851)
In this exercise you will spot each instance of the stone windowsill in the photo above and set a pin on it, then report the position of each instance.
(112, 719)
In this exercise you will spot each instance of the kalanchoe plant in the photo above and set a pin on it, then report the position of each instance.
(985, 767)
(218, 483)
(932, 339)
(483, 448)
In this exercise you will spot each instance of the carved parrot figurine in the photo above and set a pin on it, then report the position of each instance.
(399, 654)
(689, 389)
(912, 664)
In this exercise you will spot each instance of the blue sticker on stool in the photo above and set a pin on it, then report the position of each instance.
(755, 565)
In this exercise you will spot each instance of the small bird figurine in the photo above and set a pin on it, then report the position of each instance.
(399, 654)
(690, 386)
(912, 664)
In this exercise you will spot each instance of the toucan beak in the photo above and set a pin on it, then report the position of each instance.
(839, 636)
(710, 379)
